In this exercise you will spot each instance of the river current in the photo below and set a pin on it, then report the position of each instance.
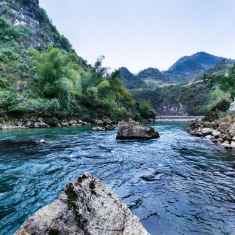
(177, 184)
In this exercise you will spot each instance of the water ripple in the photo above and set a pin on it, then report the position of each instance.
(177, 184)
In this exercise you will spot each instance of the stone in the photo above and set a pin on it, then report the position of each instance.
(64, 124)
(36, 124)
(29, 124)
(98, 128)
(209, 136)
(226, 145)
(229, 119)
(84, 206)
(42, 141)
(207, 131)
(109, 127)
(73, 123)
(4, 127)
(129, 120)
(206, 124)
(99, 122)
(216, 133)
(131, 130)
(232, 144)
(43, 124)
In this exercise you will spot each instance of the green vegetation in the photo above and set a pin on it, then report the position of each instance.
(92, 187)
(53, 83)
(54, 232)
(72, 198)
(225, 82)
(131, 81)
(193, 96)
(81, 178)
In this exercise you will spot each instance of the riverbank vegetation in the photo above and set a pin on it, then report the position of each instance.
(192, 96)
(52, 82)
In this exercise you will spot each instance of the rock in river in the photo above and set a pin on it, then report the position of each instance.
(84, 206)
(131, 130)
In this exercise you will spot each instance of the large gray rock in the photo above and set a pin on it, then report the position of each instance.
(207, 131)
(131, 130)
(85, 206)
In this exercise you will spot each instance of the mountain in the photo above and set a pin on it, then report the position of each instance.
(153, 75)
(184, 69)
(28, 24)
(188, 66)
(220, 68)
(129, 80)
(186, 98)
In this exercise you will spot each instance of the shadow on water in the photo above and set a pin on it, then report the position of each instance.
(177, 184)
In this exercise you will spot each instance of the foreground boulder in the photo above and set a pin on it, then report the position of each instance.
(85, 206)
(132, 130)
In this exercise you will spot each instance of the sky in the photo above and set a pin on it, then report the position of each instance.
(138, 34)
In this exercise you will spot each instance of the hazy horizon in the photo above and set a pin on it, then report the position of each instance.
(137, 34)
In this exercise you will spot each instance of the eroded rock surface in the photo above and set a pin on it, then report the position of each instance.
(85, 206)
(131, 130)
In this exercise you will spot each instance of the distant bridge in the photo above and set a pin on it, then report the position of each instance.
(177, 118)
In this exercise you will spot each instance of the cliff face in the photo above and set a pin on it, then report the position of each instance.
(168, 108)
(26, 16)
(85, 206)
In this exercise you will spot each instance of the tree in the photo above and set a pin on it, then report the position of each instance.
(58, 74)
(225, 82)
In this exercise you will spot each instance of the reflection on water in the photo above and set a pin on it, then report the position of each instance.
(177, 184)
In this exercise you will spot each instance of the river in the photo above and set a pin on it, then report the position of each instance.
(177, 184)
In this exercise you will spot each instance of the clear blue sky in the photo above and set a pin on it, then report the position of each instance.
(145, 33)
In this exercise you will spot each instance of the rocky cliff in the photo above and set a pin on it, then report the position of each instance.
(37, 29)
(85, 206)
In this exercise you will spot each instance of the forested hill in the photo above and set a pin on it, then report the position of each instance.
(41, 75)
(154, 75)
(188, 66)
(129, 80)
(182, 70)
(187, 98)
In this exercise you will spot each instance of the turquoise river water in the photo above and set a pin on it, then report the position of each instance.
(177, 184)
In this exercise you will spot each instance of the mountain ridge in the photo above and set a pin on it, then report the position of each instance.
(183, 70)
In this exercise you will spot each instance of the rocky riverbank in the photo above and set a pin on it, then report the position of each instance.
(103, 123)
(84, 206)
(220, 131)
(39, 122)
